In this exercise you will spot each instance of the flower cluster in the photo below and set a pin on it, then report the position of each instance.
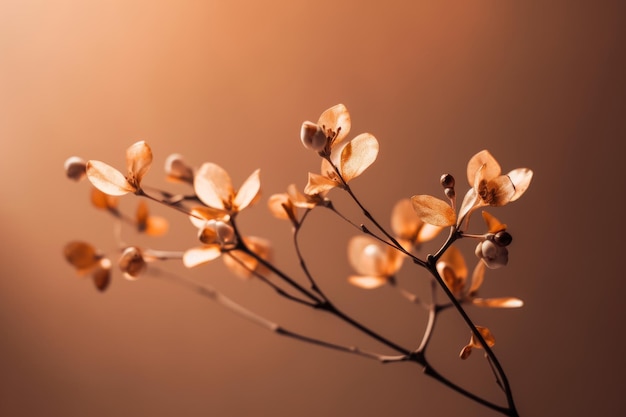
(378, 254)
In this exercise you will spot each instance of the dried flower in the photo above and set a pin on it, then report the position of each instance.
(474, 343)
(214, 188)
(111, 181)
(331, 129)
(374, 263)
(88, 261)
(489, 186)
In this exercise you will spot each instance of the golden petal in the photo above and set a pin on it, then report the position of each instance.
(499, 191)
(493, 224)
(197, 256)
(108, 179)
(249, 191)
(433, 210)
(281, 206)
(366, 256)
(477, 277)
(428, 232)
(520, 178)
(213, 186)
(319, 184)
(358, 155)
(138, 160)
(404, 220)
(336, 119)
(502, 302)
(156, 226)
(367, 282)
(454, 258)
(485, 162)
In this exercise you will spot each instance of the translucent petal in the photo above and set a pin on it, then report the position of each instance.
(102, 200)
(197, 256)
(81, 255)
(428, 232)
(213, 186)
(177, 170)
(433, 210)
(470, 202)
(453, 258)
(520, 178)
(156, 226)
(280, 206)
(499, 191)
(337, 120)
(493, 224)
(138, 160)
(249, 191)
(244, 265)
(367, 282)
(366, 256)
(200, 215)
(404, 220)
(319, 184)
(108, 179)
(503, 302)
(477, 278)
(358, 155)
(300, 200)
(484, 161)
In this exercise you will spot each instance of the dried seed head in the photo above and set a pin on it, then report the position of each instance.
(132, 262)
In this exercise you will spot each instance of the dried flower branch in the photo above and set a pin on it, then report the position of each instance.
(377, 255)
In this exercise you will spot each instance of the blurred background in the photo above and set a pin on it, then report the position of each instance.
(539, 84)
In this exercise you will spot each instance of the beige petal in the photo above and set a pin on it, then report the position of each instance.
(477, 278)
(249, 191)
(281, 206)
(367, 282)
(319, 184)
(453, 258)
(177, 170)
(404, 220)
(471, 201)
(213, 186)
(108, 179)
(520, 178)
(503, 302)
(367, 256)
(138, 160)
(358, 155)
(498, 191)
(197, 256)
(156, 226)
(484, 162)
(336, 120)
(200, 215)
(428, 232)
(433, 210)
(102, 200)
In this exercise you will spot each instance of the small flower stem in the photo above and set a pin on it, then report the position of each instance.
(303, 266)
(431, 265)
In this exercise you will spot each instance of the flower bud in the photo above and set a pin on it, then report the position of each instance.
(447, 181)
(75, 168)
(503, 238)
(132, 262)
(312, 136)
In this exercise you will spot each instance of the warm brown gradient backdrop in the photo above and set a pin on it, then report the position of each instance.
(539, 83)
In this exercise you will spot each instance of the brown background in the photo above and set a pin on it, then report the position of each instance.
(539, 84)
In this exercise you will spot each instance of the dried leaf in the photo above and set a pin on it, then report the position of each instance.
(81, 255)
(108, 179)
(249, 191)
(433, 210)
(197, 256)
(357, 155)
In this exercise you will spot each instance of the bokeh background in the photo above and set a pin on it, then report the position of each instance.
(539, 84)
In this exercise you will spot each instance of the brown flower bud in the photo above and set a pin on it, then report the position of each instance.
(447, 181)
(75, 168)
(132, 262)
(312, 136)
